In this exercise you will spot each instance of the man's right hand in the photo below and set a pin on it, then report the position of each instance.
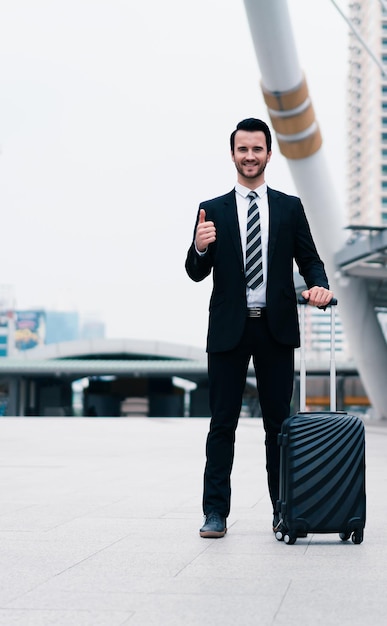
(205, 232)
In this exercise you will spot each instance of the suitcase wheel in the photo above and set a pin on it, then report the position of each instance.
(290, 539)
(345, 536)
(357, 536)
(280, 531)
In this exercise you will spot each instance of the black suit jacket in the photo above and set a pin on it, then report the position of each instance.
(289, 239)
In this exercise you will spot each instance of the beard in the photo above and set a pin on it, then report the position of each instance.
(261, 169)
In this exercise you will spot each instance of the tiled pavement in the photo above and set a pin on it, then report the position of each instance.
(99, 524)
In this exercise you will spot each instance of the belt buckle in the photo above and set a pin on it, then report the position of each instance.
(255, 312)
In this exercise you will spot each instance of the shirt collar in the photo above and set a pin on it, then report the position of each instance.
(244, 191)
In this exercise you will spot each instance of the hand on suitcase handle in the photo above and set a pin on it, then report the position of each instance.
(302, 300)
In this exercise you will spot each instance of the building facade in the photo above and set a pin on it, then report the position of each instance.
(367, 115)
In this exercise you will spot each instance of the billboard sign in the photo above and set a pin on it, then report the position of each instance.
(29, 329)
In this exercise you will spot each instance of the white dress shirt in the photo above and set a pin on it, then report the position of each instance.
(255, 297)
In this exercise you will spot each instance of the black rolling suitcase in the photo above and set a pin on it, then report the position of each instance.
(322, 468)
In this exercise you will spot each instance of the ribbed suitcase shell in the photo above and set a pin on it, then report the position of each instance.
(322, 485)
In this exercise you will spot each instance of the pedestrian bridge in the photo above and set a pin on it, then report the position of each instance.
(164, 379)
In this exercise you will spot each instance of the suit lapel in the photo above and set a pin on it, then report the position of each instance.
(231, 216)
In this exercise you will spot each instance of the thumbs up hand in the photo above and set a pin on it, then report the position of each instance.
(205, 232)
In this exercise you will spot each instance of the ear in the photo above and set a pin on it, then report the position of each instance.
(232, 156)
(268, 156)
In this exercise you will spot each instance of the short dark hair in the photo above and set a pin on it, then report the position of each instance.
(252, 124)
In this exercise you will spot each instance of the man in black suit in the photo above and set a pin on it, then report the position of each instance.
(247, 317)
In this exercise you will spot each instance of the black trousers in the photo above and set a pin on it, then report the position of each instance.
(227, 371)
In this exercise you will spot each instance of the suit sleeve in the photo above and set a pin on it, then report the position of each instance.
(306, 256)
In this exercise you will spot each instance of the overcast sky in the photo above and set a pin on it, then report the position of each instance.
(115, 118)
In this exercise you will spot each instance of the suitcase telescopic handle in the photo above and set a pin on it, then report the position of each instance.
(332, 373)
(302, 300)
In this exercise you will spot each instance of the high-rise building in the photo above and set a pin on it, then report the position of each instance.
(93, 329)
(61, 326)
(367, 115)
(7, 302)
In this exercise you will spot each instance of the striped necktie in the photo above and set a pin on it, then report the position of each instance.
(254, 272)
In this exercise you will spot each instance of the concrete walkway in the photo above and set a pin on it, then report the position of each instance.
(99, 524)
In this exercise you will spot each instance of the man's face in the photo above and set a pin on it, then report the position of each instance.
(250, 157)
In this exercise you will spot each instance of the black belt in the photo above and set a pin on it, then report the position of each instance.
(256, 311)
